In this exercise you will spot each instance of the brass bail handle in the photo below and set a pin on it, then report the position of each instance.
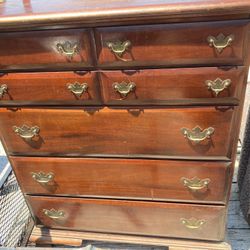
(220, 42)
(54, 214)
(192, 223)
(68, 49)
(42, 177)
(119, 48)
(124, 88)
(3, 90)
(26, 132)
(218, 85)
(197, 135)
(195, 184)
(77, 88)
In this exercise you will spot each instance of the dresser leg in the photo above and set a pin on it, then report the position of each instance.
(73, 238)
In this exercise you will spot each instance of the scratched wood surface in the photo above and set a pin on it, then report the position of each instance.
(27, 13)
(238, 230)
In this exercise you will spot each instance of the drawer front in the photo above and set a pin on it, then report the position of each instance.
(173, 86)
(172, 44)
(128, 217)
(188, 132)
(136, 179)
(49, 88)
(45, 49)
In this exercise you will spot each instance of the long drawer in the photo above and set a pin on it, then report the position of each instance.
(45, 49)
(188, 132)
(211, 43)
(191, 181)
(131, 217)
(173, 86)
(50, 88)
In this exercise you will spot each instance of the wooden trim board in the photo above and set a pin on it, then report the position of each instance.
(73, 238)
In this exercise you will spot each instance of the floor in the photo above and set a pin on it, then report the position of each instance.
(238, 229)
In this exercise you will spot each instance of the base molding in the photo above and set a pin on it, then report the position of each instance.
(74, 238)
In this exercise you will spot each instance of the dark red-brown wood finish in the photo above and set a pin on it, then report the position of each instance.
(138, 132)
(135, 179)
(50, 88)
(187, 86)
(132, 217)
(147, 96)
(21, 14)
(171, 44)
(173, 86)
(51, 49)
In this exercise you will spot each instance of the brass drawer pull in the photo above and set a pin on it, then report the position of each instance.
(124, 88)
(195, 183)
(220, 42)
(197, 134)
(43, 178)
(26, 132)
(218, 85)
(54, 214)
(192, 223)
(3, 90)
(77, 88)
(119, 48)
(68, 49)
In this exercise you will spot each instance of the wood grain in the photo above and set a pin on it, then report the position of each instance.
(26, 13)
(74, 238)
(38, 49)
(171, 44)
(164, 86)
(131, 217)
(49, 88)
(124, 178)
(131, 132)
(123, 183)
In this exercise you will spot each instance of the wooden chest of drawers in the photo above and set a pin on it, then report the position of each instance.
(125, 119)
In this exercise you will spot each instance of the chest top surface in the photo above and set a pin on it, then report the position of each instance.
(30, 13)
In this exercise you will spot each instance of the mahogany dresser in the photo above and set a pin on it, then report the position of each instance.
(123, 116)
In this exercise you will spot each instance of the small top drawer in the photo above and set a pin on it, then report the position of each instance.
(41, 49)
(207, 85)
(53, 88)
(172, 44)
